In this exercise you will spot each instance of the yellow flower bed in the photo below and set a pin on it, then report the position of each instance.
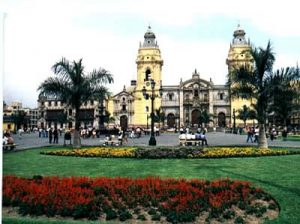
(94, 152)
(217, 152)
(134, 152)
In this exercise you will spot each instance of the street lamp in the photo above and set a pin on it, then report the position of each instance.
(234, 125)
(152, 96)
(147, 121)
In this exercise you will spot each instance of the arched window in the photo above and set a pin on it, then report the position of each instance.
(148, 75)
(171, 120)
(221, 119)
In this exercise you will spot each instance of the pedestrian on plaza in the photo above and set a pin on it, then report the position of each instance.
(20, 131)
(249, 134)
(50, 135)
(284, 134)
(181, 130)
(273, 134)
(55, 135)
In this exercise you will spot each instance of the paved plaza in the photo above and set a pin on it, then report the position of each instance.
(32, 140)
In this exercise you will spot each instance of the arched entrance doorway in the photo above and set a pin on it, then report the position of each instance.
(196, 117)
(221, 119)
(171, 120)
(124, 122)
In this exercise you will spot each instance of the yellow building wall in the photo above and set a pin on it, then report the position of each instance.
(110, 107)
(238, 56)
(238, 104)
(148, 58)
(7, 125)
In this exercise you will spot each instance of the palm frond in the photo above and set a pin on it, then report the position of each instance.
(101, 77)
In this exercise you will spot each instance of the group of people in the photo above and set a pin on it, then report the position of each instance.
(7, 139)
(44, 133)
(199, 135)
(252, 132)
(53, 135)
(88, 132)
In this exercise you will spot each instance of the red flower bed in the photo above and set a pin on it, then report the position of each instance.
(178, 200)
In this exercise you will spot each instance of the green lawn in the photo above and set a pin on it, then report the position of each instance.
(290, 138)
(278, 175)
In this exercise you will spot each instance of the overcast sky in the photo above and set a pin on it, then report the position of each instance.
(192, 34)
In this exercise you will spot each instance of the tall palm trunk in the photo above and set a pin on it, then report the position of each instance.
(77, 140)
(262, 139)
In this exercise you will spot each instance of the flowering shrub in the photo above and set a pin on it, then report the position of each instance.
(94, 152)
(170, 152)
(221, 152)
(178, 200)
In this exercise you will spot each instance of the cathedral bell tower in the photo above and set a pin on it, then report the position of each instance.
(238, 56)
(149, 66)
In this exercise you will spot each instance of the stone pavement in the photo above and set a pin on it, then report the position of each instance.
(166, 139)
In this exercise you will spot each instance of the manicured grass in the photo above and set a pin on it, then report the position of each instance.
(278, 175)
(290, 138)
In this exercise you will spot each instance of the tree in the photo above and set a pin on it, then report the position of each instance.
(245, 114)
(20, 119)
(205, 117)
(256, 82)
(285, 94)
(102, 94)
(159, 116)
(73, 87)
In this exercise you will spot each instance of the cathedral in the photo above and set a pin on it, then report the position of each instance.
(181, 105)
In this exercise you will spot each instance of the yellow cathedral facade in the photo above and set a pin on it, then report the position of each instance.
(182, 104)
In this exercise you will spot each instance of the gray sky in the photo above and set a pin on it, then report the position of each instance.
(192, 34)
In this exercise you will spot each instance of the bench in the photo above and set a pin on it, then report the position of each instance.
(9, 147)
(112, 142)
(186, 142)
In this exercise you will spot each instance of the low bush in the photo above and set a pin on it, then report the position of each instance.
(170, 152)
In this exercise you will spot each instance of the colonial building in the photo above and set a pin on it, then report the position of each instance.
(182, 104)
(54, 113)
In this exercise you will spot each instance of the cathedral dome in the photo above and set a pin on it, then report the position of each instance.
(149, 33)
(239, 36)
(149, 39)
(239, 32)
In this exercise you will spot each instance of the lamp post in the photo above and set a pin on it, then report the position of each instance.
(147, 122)
(152, 96)
(234, 125)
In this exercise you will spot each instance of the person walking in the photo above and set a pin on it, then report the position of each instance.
(50, 135)
(55, 135)
(249, 134)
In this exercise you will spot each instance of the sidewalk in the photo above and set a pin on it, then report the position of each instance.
(170, 139)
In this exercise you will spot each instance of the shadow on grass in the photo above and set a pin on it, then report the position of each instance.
(293, 190)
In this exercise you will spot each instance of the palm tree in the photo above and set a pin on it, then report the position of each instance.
(73, 87)
(257, 83)
(20, 119)
(160, 116)
(205, 117)
(245, 114)
(285, 94)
